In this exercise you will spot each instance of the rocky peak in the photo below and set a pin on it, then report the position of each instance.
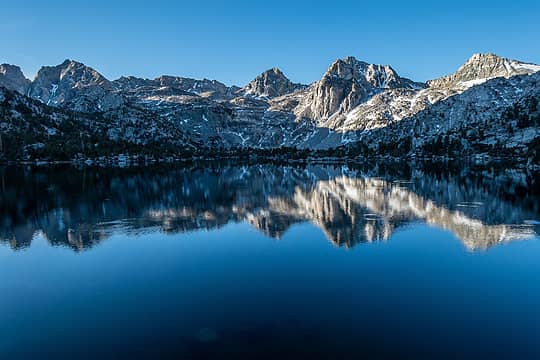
(271, 83)
(482, 67)
(12, 78)
(75, 84)
(347, 83)
(73, 72)
(365, 74)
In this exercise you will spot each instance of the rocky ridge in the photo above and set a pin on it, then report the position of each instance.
(353, 102)
(11, 77)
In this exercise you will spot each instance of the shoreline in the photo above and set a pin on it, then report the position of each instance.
(138, 161)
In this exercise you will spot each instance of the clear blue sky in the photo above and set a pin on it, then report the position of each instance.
(233, 41)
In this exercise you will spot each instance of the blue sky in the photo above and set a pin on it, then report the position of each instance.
(233, 41)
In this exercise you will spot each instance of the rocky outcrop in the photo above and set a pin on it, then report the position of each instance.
(12, 78)
(270, 84)
(482, 67)
(346, 84)
(75, 86)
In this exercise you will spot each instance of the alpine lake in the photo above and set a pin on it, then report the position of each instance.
(224, 260)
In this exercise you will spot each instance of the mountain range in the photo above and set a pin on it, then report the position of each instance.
(488, 106)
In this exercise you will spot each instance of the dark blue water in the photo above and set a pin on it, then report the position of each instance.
(269, 262)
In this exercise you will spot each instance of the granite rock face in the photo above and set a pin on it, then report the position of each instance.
(12, 78)
(271, 84)
(75, 86)
(346, 84)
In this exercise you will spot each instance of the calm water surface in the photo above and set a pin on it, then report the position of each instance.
(265, 261)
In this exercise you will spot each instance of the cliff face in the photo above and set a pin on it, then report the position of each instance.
(75, 86)
(345, 85)
(12, 78)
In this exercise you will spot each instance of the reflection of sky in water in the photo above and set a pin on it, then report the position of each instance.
(232, 292)
(181, 263)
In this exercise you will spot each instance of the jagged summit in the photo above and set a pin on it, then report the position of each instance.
(50, 81)
(68, 62)
(482, 67)
(483, 57)
(73, 82)
(370, 75)
(12, 78)
(271, 83)
(73, 71)
(347, 83)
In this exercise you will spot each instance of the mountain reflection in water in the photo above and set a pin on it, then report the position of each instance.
(80, 208)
